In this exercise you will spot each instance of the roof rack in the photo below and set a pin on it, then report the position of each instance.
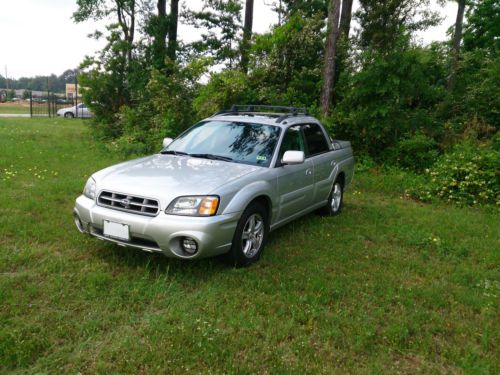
(257, 108)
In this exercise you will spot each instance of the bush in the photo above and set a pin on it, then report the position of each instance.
(415, 153)
(221, 92)
(468, 175)
(364, 163)
(393, 95)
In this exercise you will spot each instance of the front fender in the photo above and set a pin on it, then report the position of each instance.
(248, 193)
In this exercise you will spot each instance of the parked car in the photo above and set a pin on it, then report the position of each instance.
(80, 110)
(220, 187)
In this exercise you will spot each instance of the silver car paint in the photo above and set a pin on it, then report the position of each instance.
(291, 191)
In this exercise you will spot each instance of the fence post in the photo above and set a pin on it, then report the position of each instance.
(31, 103)
(48, 97)
(76, 95)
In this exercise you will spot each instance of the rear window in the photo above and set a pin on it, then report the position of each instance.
(315, 139)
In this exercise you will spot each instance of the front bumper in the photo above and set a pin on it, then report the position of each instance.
(162, 233)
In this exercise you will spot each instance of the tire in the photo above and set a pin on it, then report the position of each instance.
(249, 243)
(69, 115)
(335, 200)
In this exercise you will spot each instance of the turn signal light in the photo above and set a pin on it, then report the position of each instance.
(208, 206)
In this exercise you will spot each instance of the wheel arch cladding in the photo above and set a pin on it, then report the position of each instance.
(265, 201)
(341, 178)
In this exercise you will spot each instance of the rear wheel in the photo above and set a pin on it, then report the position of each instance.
(250, 236)
(335, 200)
(69, 115)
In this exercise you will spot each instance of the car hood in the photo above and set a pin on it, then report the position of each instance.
(165, 177)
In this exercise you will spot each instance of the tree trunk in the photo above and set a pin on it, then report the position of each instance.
(128, 28)
(172, 29)
(330, 52)
(455, 49)
(344, 28)
(247, 34)
(131, 33)
(160, 35)
(345, 18)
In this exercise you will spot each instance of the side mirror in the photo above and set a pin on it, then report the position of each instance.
(293, 157)
(167, 141)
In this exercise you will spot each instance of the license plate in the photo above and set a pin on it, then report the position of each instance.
(116, 230)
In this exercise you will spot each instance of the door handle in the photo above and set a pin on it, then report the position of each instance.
(309, 171)
(332, 163)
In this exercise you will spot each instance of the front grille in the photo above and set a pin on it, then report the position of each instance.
(129, 203)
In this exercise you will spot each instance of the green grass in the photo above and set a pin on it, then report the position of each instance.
(12, 108)
(391, 285)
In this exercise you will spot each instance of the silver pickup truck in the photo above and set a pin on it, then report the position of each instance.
(221, 186)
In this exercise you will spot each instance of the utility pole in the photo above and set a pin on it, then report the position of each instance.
(6, 78)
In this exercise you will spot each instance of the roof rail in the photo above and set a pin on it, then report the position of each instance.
(249, 108)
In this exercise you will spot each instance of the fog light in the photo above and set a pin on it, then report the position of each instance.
(189, 245)
(79, 223)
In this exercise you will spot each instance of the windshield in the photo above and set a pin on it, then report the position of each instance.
(231, 141)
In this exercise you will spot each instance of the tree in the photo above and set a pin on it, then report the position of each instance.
(111, 75)
(482, 29)
(160, 26)
(123, 11)
(157, 28)
(247, 34)
(172, 29)
(308, 8)
(393, 96)
(383, 22)
(343, 44)
(455, 49)
(11, 94)
(330, 52)
(287, 62)
(345, 18)
(220, 21)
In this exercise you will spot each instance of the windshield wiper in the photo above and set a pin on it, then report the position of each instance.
(172, 152)
(211, 157)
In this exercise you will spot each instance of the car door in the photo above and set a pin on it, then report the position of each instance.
(295, 182)
(321, 155)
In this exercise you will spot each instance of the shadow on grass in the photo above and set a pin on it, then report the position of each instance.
(158, 264)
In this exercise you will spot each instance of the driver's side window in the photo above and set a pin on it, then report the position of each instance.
(293, 140)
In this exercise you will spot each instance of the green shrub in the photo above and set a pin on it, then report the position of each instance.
(416, 153)
(468, 175)
(364, 163)
(392, 95)
(221, 92)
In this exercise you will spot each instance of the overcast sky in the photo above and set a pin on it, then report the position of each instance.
(39, 37)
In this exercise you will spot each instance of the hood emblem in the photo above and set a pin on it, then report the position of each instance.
(125, 203)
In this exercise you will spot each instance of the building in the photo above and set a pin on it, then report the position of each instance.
(71, 90)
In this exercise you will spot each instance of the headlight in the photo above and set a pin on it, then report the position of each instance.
(89, 189)
(194, 206)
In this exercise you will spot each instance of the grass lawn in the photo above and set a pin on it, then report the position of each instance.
(389, 286)
(15, 108)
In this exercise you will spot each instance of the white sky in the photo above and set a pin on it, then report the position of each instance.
(38, 37)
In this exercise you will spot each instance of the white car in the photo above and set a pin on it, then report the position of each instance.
(80, 110)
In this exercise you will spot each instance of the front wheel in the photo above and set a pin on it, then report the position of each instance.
(335, 200)
(250, 236)
(69, 115)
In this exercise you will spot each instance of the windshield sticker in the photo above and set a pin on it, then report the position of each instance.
(261, 157)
